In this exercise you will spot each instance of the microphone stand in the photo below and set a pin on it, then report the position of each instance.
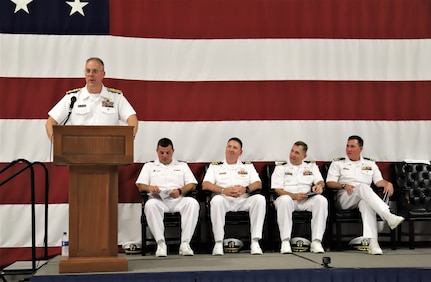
(67, 118)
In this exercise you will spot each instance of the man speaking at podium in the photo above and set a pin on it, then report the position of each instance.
(93, 104)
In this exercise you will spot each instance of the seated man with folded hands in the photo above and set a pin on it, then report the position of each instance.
(299, 185)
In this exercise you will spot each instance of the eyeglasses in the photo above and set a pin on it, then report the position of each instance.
(94, 71)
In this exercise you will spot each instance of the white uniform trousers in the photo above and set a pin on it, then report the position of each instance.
(369, 203)
(317, 205)
(255, 205)
(155, 209)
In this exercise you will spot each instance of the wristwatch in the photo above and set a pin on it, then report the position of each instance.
(343, 186)
(247, 190)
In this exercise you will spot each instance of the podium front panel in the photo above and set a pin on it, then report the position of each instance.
(93, 212)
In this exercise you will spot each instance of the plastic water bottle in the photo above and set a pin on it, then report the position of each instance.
(65, 245)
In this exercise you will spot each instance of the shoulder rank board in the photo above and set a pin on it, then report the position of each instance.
(339, 159)
(73, 91)
(113, 90)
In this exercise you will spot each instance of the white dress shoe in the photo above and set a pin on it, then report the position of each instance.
(161, 250)
(255, 248)
(285, 247)
(185, 250)
(218, 249)
(374, 248)
(394, 220)
(316, 247)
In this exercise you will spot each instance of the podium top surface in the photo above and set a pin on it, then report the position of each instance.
(86, 144)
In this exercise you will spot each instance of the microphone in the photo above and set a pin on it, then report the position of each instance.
(72, 102)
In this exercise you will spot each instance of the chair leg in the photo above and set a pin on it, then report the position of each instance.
(411, 234)
(339, 241)
(393, 239)
(209, 234)
(328, 235)
(143, 234)
(276, 233)
(400, 233)
(195, 236)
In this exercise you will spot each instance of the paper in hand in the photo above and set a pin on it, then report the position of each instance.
(164, 194)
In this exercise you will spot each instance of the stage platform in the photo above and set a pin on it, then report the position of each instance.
(394, 265)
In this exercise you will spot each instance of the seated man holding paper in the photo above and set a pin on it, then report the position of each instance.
(167, 181)
(299, 185)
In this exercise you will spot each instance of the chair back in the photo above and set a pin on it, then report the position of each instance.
(265, 176)
(414, 182)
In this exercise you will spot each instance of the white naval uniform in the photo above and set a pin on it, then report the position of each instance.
(225, 175)
(168, 177)
(107, 108)
(359, 174)
(299, 179)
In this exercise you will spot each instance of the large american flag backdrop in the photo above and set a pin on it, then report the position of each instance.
(200, 71)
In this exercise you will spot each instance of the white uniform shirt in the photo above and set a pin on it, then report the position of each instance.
(296, 178)
(107, 108)
(226, 175)
(346, 171)
(166, 177)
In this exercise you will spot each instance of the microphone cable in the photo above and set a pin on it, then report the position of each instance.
(324, 263)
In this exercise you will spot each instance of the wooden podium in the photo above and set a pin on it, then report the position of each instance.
(93, 154)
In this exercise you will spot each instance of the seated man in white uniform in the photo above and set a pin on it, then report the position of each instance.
(231, 182)
(167, 181)
(299, 185)
(352, 176)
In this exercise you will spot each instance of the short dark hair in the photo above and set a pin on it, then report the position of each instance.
(165, 142)
(303, 144)
(358, 138)
(237, 140)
